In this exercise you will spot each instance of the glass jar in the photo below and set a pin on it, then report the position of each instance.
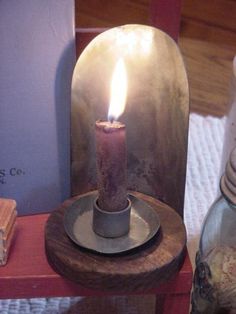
(230, 123)
(214, 288)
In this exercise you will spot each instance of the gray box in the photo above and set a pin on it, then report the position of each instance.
(37, 57)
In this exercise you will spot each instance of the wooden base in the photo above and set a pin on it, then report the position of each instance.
(141, 270)
(28, 275)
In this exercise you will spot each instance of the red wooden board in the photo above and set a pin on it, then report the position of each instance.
(27, 273)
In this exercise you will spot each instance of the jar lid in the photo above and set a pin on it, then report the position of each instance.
(228, 180)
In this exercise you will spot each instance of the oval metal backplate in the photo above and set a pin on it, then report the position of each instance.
(156, 114)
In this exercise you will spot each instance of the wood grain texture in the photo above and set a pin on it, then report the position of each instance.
(28, 274)
(140, 270)
(206, 26)
(219, 14)
(209, 68)
(212, 21)
(92, 13)
(164, 14)
(208, 33)
(7, 227)
(195, 29)
(7, 214)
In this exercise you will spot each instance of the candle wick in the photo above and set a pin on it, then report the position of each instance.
(111, 120)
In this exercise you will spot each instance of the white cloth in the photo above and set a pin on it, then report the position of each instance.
(203, 173)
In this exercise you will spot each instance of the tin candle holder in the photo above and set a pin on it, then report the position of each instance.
(151, 59)
(142, 242)
(110, 232)
(155, 116)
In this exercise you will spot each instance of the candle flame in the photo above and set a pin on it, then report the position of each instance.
(118, 91)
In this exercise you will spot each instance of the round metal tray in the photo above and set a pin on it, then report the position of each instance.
(144, 225)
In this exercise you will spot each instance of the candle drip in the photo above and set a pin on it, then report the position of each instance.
(111, 165)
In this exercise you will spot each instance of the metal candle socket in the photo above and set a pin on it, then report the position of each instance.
(111, 224)
(78, 223)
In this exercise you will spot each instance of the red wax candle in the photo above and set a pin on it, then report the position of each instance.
(111, 165)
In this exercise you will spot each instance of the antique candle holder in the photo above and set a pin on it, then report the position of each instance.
(151, 59)
(110, 232)
(142, 156)
(139, 47)
(155, 116)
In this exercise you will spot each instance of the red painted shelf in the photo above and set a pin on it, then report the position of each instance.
(28, 274)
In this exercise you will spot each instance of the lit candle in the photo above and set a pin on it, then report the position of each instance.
(111, 148)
